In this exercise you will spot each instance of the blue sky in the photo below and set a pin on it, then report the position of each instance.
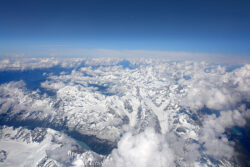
(39, 27)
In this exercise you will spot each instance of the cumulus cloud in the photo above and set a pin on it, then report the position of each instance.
(37, 63)
(213, 131)
(142, 150)
(217, 89)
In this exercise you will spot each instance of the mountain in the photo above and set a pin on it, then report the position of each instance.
(43, 148)
(105, 109)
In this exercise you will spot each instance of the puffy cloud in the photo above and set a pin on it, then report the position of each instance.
(142, 150)
(217, 89)
(35, 63)
(186, 152)
(52, 86)
(213, 131)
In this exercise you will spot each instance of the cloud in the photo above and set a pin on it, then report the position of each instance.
(142, 150)
(218, 89)
(74, 58)
(16, 98)
(37, 63)
(212, 133)
(134, 54)
(154, 54)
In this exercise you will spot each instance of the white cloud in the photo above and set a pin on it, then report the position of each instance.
(128, 54)
(142, 150)
(214, 128)
(36, 63)
(15, 97)
(217, 90)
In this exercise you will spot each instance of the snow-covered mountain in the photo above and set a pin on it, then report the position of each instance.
(137, 113)
(42, 147)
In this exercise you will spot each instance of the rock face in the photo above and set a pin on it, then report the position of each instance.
(3, 155)
(98, 103)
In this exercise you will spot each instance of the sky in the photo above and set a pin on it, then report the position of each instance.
(46, 27)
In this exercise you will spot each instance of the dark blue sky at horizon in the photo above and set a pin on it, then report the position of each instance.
(221, 26)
